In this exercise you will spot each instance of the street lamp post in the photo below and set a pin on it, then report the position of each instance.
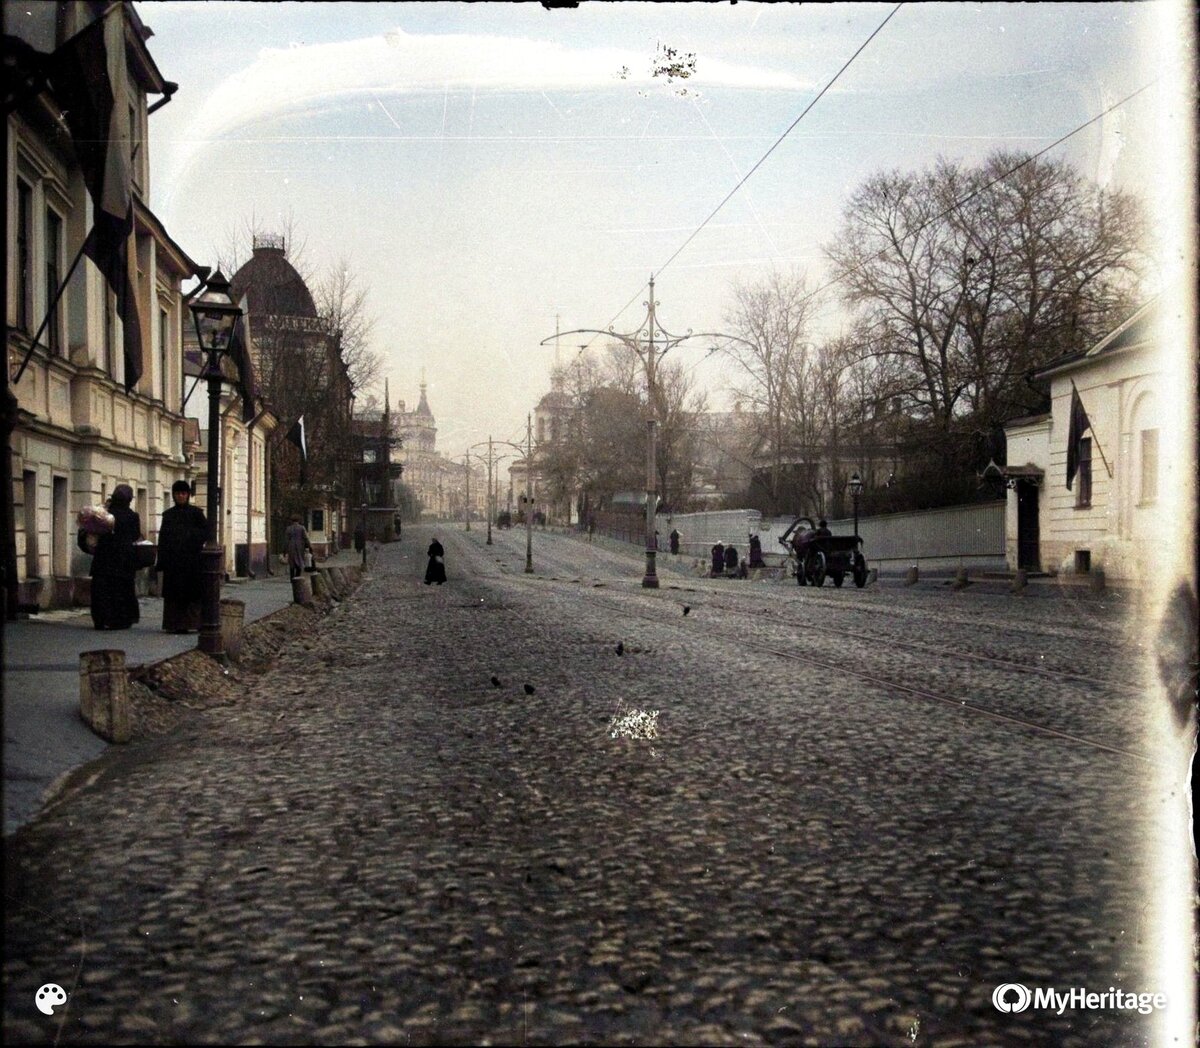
(856, 489)
(467, 497)
(642, 341)
(215, 315)
(529, 494)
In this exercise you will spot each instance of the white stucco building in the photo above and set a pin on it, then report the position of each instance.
(1110, 516)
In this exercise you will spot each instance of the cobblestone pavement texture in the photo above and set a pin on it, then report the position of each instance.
(379, 843)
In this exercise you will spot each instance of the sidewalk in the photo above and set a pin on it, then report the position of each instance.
(44, 737)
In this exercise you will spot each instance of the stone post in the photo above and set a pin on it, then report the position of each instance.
(913, 575)
(320, 584)
(960, 579)
(302, 591)
(1020, 580)
(233, 615)
(104, 694)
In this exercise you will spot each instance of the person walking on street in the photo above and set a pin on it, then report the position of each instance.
(718, 560)
(731, 559)
(756, 557)
(181, 536)
(673, 538)
(436, 569)
(114, 602)
(295, 544)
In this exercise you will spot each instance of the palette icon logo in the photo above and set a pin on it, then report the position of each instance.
(49, 997)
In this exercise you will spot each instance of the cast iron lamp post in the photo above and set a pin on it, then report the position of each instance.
(856, 490)
(215, 315)
(643, 342)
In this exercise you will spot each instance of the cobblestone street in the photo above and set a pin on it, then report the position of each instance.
(420, 828)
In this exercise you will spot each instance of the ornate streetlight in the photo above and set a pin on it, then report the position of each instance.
(643, 341)
(215, 315)
(856, 490)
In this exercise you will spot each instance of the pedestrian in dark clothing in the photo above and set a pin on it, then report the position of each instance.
(756, 557)
(436, 570)
(718, 560)
(114, 602)
(180, 538)
(360, 539)
(673, 538)
(296, 544)
(731, 558)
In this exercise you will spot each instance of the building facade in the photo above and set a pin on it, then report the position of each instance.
(78, 431)
(1109, 517)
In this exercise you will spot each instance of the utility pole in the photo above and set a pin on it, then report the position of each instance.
(491, 497)
(529, 494)
(467, 507)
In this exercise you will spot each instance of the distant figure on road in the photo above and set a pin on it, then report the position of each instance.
(673, 538)
(591, 527)
(718, 560)
(436, 571)
(114, 602)
(295, 543)
(180, 538)
(756, 560)
(731, 558)
(360, 539)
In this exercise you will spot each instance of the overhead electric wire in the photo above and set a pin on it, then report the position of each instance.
(975, 192)
(846, 65)
(758, 164)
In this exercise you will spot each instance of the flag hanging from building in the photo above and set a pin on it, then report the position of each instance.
(239, 351)
(88, 75)
(1080, 424)
(297, 436)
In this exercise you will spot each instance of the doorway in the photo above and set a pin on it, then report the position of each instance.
(1028, 539)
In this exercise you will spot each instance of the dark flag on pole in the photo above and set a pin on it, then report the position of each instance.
(1079, 425)
(297, 436)
(88, 77)
(239, 351)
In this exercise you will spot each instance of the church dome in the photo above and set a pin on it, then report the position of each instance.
(271, 284)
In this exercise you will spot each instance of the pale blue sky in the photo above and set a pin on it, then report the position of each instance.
(484, 166)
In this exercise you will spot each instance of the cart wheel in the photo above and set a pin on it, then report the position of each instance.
(838, 578)
(816, 569)
(860, 571)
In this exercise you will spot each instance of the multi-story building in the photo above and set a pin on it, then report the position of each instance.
(83, 424)
(429, 475)
(297, 358)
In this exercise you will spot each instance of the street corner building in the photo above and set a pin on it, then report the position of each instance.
(1087, 479)
(94, 304)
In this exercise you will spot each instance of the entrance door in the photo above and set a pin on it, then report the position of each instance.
(1028, 556)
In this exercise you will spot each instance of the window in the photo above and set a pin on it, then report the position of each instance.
(24, 255)
(1083, 479)
(29, 478)
(54, 227)
(1149, 465)
(318, 520)
(164, 341)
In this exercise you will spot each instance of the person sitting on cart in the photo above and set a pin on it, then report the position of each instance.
(807, 538)
(718, 560)
(731, 559)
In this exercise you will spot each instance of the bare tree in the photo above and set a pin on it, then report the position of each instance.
(773, 317)
(341, 300)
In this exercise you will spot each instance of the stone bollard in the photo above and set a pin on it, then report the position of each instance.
(320, 584)
(104, 694)
(233, 617)
(960, 579)
(340, 586)
(302, 591)
(354, 575)
(1020, 580)
(872, 576)
(912, 576)
(1096, 579)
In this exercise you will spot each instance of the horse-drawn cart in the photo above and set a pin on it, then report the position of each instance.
(816, 553)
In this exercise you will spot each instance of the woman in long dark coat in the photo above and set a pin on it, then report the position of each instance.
(436, 571)
(180, 538)
(114, 602)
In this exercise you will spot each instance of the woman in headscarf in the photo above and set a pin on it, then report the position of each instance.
(436, 570)
(114, 602)
(180, 538)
